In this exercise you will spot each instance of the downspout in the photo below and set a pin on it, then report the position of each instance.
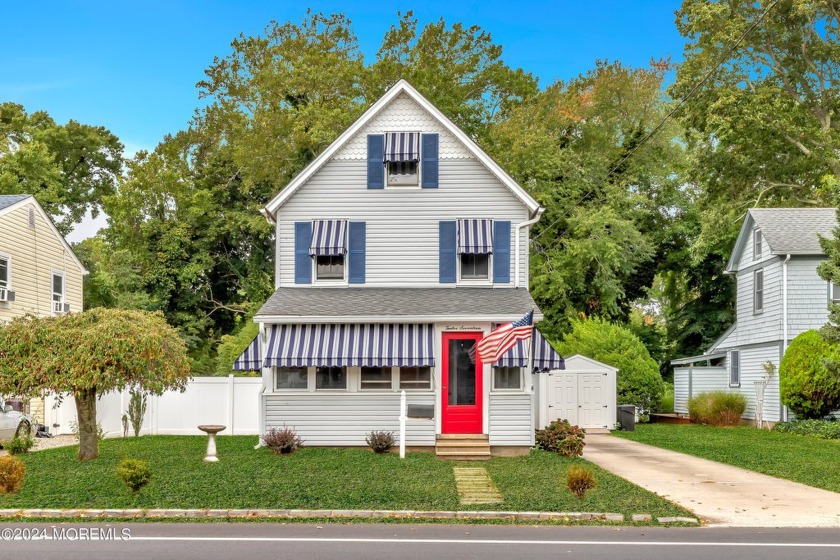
(784, 415)
(265, 380)
(519, 227)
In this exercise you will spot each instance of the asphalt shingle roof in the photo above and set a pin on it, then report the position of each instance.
(7, 200)
(795, 230)
(394, 303)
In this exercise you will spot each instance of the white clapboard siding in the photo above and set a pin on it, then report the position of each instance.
(807, 295)
(402, 224)
(403, 115)
(511, 419)
(764, 326)
(35, 253)
(346, 419)
(693, 381)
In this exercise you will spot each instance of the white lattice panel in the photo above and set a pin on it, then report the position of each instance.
(403, 115)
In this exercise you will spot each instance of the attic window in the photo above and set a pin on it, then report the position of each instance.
(402, 158)
(757, 244)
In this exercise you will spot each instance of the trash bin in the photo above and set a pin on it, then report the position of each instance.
(627, 417)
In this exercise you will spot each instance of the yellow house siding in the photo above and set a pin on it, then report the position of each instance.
(35, 253)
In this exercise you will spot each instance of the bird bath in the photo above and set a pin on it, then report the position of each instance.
(211, 430)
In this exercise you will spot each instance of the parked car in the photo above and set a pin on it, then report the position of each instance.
(14, 423)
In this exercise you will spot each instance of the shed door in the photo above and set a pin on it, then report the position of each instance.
(592, 400)
(562, 397)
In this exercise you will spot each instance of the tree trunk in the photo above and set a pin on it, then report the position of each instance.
(86, 415)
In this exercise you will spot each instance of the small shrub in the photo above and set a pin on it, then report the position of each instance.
(561, 437)
(717, 408)
(579, 481)
(12, 471)
(282, 441)
(825, 429)
(18, 445)
(380, 442)
(134, 473)
(136, 410)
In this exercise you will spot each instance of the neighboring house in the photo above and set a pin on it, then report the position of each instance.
(779, 295)
(39, 274)
(399, 248)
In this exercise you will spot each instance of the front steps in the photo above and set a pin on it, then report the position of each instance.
(463, 447)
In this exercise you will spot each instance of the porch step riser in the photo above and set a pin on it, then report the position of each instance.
(463, 447)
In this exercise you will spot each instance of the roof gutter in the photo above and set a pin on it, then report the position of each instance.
(268, 216)
(536, 217)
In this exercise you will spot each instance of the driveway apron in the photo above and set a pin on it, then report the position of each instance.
(720, 494)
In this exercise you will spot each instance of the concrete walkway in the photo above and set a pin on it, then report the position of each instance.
(720, 494)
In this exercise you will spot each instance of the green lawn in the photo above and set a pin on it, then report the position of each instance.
(312, 478)
(804, 459)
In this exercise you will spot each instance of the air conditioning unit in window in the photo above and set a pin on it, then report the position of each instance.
(60, 307)
(6, 295)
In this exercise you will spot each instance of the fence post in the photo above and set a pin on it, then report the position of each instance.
(402, 424)
(231, 387)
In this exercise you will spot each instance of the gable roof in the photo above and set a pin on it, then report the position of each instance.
(787, 231)
(7, 204)
(7, 200)
(400, 87)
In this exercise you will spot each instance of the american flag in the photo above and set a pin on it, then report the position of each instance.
(494, 345)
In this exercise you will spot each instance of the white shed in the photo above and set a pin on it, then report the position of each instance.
(584, 393)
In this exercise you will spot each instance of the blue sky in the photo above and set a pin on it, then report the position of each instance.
(132, 66)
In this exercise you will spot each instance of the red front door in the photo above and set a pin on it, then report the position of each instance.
(461, 374)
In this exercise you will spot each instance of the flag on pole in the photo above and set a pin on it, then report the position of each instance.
(494, 345)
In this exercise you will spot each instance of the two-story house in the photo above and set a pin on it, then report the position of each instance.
(39, 273)
(779, 295)
(397, 249)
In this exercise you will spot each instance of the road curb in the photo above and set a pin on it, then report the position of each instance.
(330, 513)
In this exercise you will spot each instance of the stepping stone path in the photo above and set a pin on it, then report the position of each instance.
(475, 487)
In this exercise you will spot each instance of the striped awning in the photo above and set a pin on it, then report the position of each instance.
(402, 146)
(250, 359)
(546, 358)
(329, 238)
(475, 237)
(350, 345)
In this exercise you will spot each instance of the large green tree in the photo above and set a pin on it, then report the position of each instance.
(87, 354)
(68, 168)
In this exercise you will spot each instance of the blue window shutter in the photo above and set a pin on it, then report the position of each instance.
(303, 262)
(501, 251)
(429, 153)
(357, 244)
(448, 242)
(376, 161)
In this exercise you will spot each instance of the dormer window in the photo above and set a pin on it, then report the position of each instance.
(475, 245)
(328, 248)
(757, 244)
(402, 158)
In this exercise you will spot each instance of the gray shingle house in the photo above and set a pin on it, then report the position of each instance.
(397, 249)
(779, 295)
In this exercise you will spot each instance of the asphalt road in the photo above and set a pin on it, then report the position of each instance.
(209, 541)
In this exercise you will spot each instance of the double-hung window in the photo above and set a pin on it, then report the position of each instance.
(58, 292)
(402, 158)
(734, 368)
(5, 272)
(415, 377)
(291, 378)
(758, 291)
(327, 377)
(507, 378)
(757, 240)
(833, 292)
(475, 247)
(328, 248)
(376, 379)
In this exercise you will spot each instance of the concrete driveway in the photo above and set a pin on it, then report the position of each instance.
(720, 494)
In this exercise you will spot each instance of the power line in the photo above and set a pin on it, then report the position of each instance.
(671, 113)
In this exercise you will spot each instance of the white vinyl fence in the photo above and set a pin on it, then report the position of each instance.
(230, 401)
(690, 381)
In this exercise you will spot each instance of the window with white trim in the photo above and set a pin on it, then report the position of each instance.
(330, 377)
(758, 291)
(58, 291)
(402, 159)
(5, 272)
(734, 368)
(415, 377)
(833, 292)
(329, 267)
(376, 378)
(507, 378)
(403, 173)
(291, 378)
(475, 266)
(757, 241)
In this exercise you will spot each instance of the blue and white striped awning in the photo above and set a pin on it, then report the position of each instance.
(546, 358)
(329, 238)
(250, 359)
(350, 345)
(475, 237)
(402, 146)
